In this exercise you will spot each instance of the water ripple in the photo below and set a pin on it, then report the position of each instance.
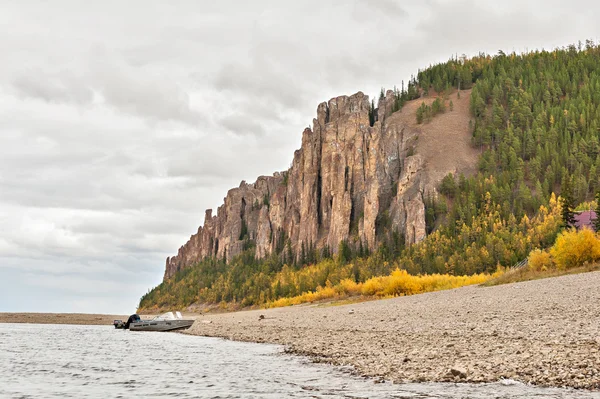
(50, 361)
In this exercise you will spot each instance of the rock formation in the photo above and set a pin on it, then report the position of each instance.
(349, 181)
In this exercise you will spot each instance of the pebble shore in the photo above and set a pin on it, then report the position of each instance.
(544, 332)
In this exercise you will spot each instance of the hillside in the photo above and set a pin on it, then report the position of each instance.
(346, 177)
(427, 182)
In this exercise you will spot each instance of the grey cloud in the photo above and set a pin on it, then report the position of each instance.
(460, 27)
(59, 88)
(389, 8)
(118, 130)
(242, 126)
(152, 96)
(133, 224)
(52, 297)
(288, 71)
(261, 108)
(261, 82)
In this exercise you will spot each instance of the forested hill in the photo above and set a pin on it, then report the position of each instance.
(535, 120)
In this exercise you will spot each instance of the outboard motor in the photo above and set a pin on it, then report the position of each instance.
(119, 324)
(134, 318)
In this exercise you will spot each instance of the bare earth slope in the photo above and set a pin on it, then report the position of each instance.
(545, 332)
(445, 142)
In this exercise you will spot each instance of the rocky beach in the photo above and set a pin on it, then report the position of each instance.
(544, 332)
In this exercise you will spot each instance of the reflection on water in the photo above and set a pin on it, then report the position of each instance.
(100, 362)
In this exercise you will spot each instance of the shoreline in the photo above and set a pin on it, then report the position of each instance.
(59, 318)
(88, 319)
(543, 332)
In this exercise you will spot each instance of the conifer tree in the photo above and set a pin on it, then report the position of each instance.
(596, 221)
(290, 254)
(302, 255)
(535, 118)
(568, 204)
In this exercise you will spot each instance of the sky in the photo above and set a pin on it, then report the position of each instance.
(121, 122)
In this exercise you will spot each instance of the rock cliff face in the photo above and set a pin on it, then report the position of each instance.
(348, 181)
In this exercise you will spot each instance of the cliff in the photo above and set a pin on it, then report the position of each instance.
(349, 181)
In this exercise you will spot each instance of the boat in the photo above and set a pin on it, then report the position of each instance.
(165, 322)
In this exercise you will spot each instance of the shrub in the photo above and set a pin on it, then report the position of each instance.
(348, 287)
(401, 283)
(373, 286)
(540, 260)
(574, 248)
(320, 294)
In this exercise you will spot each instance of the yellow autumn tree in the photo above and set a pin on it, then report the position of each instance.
(574, 248)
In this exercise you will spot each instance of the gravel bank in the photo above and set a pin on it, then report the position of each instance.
(60, 318)
(545, 332)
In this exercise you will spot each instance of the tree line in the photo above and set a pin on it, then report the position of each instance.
(536, 121)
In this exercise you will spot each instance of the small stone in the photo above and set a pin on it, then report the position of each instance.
(351, 311)
(458, 372)
(261, 317)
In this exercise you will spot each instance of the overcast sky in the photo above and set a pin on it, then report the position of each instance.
(121, 122)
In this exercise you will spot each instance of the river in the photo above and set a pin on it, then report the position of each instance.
(48, 361)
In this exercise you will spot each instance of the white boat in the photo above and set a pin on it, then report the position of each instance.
(165, 322)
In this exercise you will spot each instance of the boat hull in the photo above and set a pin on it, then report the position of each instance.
(161, 325)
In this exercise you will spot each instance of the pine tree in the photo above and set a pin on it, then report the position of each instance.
(568, 204)
(344, 252)
(290, 254)
(596, 221)
(302, 255)
(325, 253)
(536, 119)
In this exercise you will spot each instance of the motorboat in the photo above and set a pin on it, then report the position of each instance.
(165, 322)
(124, 325)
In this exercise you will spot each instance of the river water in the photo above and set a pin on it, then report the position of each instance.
(48, 361)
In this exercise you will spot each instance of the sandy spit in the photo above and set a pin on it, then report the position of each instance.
(544, 332)
(61, 318)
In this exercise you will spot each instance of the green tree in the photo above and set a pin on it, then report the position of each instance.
(421, 113)
(448, 186)
(596, 221)
(568, 204)
(344, 252)
(535, 119)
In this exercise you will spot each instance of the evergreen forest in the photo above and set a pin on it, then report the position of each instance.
(535, 119)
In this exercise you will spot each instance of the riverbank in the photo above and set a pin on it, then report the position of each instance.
(544, 332)
(60, 318)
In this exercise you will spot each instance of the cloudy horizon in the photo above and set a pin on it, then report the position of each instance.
(122, 122)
